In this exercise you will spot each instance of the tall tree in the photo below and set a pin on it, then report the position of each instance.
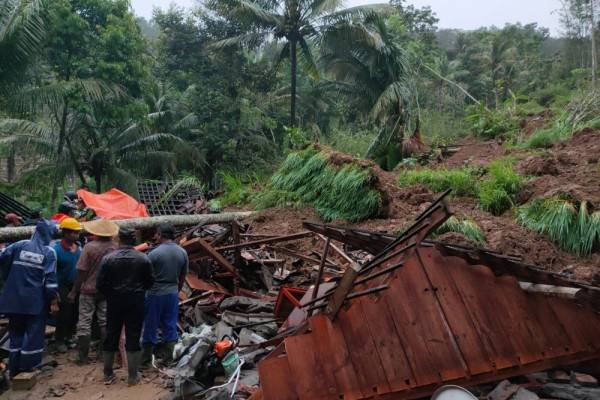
(297, 23)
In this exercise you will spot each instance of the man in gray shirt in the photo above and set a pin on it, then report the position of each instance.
(170, 265)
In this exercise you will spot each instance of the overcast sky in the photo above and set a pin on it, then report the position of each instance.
(463, 14)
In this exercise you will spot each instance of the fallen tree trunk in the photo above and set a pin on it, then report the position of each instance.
(25, 232)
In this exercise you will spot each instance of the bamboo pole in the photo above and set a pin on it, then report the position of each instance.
(25, 232)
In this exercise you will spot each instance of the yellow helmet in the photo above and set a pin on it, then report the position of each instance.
(71, 224)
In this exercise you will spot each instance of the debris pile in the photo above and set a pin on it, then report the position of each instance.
(266, 316)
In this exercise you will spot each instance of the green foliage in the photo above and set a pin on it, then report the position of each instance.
(462, 182)
(466, 227)
(307, 178)
(575, 231)
(492, 123)
(235, 191)
(498, 190)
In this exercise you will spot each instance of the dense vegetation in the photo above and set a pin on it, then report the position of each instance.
(224, 92)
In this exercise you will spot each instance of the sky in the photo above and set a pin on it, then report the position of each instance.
(461, 14)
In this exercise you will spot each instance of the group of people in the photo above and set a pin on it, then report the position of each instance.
(92, 272)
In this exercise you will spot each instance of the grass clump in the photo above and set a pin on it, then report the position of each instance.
(497, 192)
(307, 178)
(466, 227)
(574, 230)
(462, 182)
(235, 191)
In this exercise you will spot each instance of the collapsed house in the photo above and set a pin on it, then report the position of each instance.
(422, 314)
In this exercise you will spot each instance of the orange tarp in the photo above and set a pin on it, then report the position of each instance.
(113, 204)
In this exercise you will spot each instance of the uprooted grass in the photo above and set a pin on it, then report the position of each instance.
(466, 227)
(462, 182)
(573, 230)
(307, 178)
(498, 190)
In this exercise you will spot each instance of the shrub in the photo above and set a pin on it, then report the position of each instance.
(235, 191)
(462, 182)
(336, 193)
(492, 123)
(575, 231)
(466, 227)
(497, 192)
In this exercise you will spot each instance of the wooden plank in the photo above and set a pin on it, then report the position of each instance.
(260, 242)
(301, 256)
(480, 305)
(394, 360)
(235, 234)
(363, 350)
(579, 328)
(334, 355)
(209, 250)
(341, 291)
(427, 319)
(276, 379)
(556, 338)
(313, 381)
(457, 315)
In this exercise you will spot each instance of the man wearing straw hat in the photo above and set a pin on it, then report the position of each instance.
(90, 300)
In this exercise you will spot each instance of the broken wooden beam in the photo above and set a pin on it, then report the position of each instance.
(200, 245)
(301, 256)
(260, 242)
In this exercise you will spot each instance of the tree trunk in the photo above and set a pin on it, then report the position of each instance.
(294, 66)
(98, 180)
(10, 163)
(593, 39)
(75, 163)
(59, 150)
(24, 232)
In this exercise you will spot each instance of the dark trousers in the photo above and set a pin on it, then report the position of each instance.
(26, 333)
(161, 312)
(124, 310)
(66, 320)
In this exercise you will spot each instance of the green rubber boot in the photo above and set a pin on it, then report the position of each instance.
(169, 347)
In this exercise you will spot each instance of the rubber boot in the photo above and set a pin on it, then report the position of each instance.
(99, 349)
(147, 353)
(134, 359)
(169, 347)
(109, 360)
(83, 347)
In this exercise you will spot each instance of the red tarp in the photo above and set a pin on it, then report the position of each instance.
(113, 204)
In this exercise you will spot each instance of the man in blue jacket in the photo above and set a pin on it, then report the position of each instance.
(28, 268)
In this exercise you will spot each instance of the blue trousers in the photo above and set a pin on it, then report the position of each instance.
(160, 312)
(26, 334)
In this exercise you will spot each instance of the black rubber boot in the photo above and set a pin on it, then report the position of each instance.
(109, 360)
(147, 353)
(134, 359)
(168, 356)
(100, 348)
(83, 347)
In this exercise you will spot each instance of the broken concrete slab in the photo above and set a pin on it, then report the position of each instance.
(584, 379)
(524, 394)
(570, 392)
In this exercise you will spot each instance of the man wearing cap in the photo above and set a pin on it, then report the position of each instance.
(68, 252)
(124, 276)
(170, 265)
(29, 269)
(12, 220)
(90, 301)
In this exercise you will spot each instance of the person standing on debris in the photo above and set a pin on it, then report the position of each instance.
(170, 265)
(124, 276)
(29, 269)
(68, 251)
(90, 301)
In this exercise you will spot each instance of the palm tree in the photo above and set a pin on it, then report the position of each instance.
(364, 59)
(21, 33)
(297, 23)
